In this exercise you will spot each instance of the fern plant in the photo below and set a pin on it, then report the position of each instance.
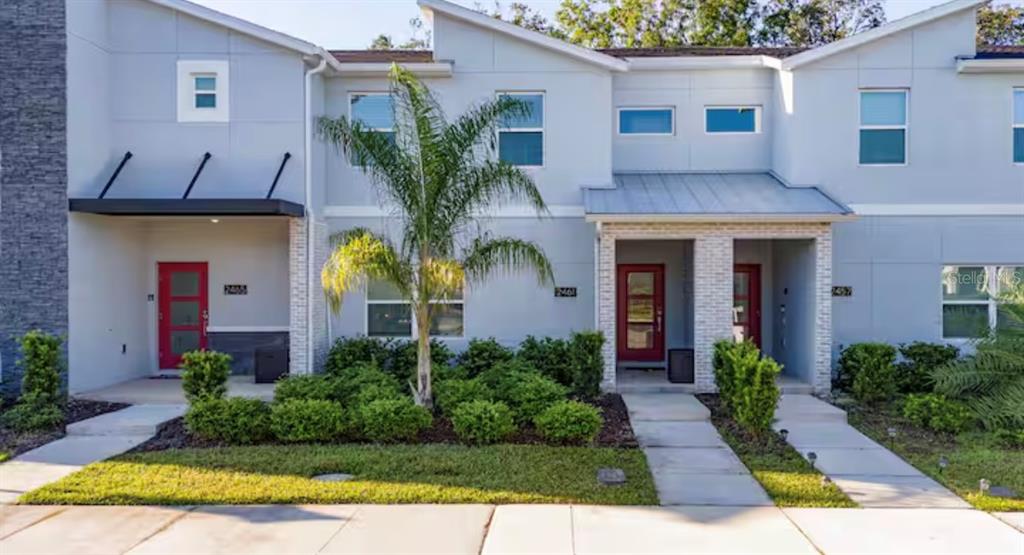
(992, 380)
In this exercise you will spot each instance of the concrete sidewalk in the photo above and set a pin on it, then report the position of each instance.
(507, 529)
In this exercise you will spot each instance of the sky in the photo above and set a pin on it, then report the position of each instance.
(352, 24)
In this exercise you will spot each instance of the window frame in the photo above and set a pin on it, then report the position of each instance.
(618, 120)
(905, 127)
(413, 331)
(543, 120)
(187, 73)
(1014, 126)
(758, 118)
(992, 302)
(352, 94)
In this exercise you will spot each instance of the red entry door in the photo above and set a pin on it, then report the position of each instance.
(746, 304)
(183, 310)
(641, 312)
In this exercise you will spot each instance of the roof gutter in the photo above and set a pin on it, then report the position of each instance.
(732, 218)
(310, 213)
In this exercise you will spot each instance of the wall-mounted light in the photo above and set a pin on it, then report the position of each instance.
(214, 221)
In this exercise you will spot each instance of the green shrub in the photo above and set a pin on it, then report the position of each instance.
(310, 387)
(449, 394)
(357, 351)
(205, 375)
(1011, 439)
(362, 382)
(234, 420)
(873, 370)
(528, 394)
(881, 357)
(41, 404)
(746, 382)
(550, 356)
(937, 412)
(305, 420)
(30, 417)
(482, 354)
(482, 421)
(587, 363)
(919, 359)
(404, 357)
(387, 420)
(569, 422)
(496, 374)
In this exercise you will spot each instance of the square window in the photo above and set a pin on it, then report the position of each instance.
(203, 91)
(965, 320)
(883, 146)
(742, 119)
(374, 110)
(447, 320)
(645, 121)
(389, 320)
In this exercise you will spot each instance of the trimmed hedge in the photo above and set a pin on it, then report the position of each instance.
(528, 394)
(746, 384)
(319, 387)
(868, 371)
(306, 420)
(390, 420)
(482, 422)
(569, 422)
(41, 403)
(205, 375)
(482, 355)
(449, 394)
(234, 420)
(919, 359)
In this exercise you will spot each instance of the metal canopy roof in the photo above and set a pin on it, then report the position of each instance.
(703, 195)
(186, 207)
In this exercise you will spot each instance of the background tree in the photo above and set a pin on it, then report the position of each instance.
(436, 176)
(1001, 25)
(521, 14)
(816, 22)
(725, 22)
(382, 42)
(625, 23)
(419, 38)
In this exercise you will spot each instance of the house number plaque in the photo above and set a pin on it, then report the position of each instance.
(236, 289)
(565, 291)
(842, 291)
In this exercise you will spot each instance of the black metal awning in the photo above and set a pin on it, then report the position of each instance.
(186, 207)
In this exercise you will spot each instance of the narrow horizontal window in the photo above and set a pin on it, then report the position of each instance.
(646, 121)
(973, 297)
(389, 320)
(389, 314)
(738, 119)
(883, 127)
(521, 136)
(1018, 126)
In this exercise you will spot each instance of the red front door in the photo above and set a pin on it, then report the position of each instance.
(183, 311)
(746, 304)
(641, 312)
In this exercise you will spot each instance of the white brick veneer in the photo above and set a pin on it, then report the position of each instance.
(298, 297)
(321, 341)
(713, 288)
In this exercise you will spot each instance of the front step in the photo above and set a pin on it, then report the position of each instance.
(805, 408)
(666, 387)
(136, 420)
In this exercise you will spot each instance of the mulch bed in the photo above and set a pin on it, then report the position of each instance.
(15, 443)
(616, 432)
(767, 444)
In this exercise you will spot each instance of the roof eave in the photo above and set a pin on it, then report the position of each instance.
(866, 37)
(584, 54)
(990, 65)
(649, 63)
(703, 218)
(377, 69)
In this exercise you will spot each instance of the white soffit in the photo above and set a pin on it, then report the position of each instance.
(990, 65)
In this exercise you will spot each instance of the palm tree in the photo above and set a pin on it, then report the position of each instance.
(436, 177)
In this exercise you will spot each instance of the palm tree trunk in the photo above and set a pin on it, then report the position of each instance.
(424, 394)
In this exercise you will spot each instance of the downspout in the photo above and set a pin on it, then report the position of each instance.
(309, 213)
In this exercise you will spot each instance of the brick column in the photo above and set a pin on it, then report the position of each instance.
(823, 312)
(298, 297)
(606, 306)
(321, 341)
(712, 298)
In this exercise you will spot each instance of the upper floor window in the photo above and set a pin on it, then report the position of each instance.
(970, 299)
(374, 110)
(646, 121)
(390, 315)
(732, 119)
(1018, 126)
(521, 138)
(203, 91)
(883, 127)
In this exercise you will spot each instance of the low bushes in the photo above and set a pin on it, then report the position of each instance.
(919, 359)
(304, 420)
(482, 355)
(235, 420)
(746, 384)
(205, 375)
(528, 394)
(868, 371)
(937, 412)
(317, 387)
(483, 421)
(569, 422)
(395, 357)
(390, 420)
(449, 394)
(41, 403)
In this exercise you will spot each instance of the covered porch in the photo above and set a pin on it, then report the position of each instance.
(684, 260)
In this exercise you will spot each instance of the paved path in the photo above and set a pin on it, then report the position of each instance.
(690, 463)
(867, 472)
(506, 529)
(86, 442)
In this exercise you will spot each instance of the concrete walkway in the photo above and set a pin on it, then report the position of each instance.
(507, 529)
(167, 391)
(86, 442)
(867, 472)
(690, 463)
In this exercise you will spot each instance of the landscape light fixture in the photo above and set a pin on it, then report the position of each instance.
(983, 486)
(943, 463)
(812, 456)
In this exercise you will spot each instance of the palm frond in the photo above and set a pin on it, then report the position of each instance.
(486, 255)
(359, 255)
(1004, 408)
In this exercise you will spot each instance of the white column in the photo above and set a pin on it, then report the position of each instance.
(298, 297)
(712, 298)
(823, 313)
(606, 305)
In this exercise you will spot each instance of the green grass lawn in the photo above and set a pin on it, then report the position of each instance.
(4, 455)
(972, 456)
(787, 478)
(383, 474)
